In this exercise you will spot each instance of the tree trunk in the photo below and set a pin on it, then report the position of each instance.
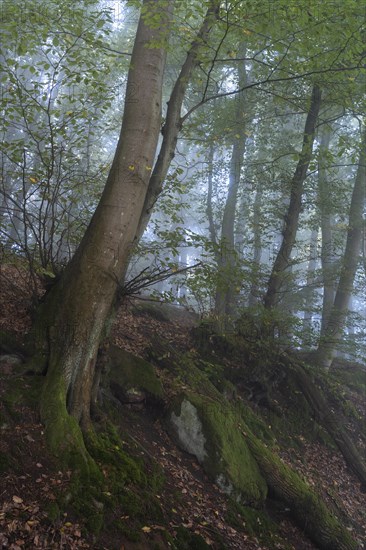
(227, 261)
(333, 331)
(173, 123)
(283, 258)
(310, 284)
(75, 311)
(257, 247)
(209, 207)
(227, 267)
(327, 253)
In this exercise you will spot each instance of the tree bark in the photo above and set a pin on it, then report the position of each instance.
(209, 207)
(310, 284)
(227, 261)
(76, 309)
(338, 314)
(327, 253)
(173, 123)
(282, 261)
(257, 247)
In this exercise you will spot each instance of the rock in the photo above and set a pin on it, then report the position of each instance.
(8, 363)
(208, 430)
(10, 360)
(132, 396)
(132, 380)
(190, 430)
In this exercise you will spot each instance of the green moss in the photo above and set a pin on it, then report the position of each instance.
(186, 540)
(63, 434)
(130, 371)
(306, 506)
(131, 534)
(230, 455)
(52, 510)
(255, 523)
(129, 483)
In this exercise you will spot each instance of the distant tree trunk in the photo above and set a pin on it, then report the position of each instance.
(338, 314)
(209, 207)
(257, 247)
(227, 267)
(310, 280)
(327, 253)
(76, 309)
(282, 261)
(227, 259)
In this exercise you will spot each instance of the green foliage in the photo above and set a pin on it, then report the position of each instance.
(269, 327)
(51, 109)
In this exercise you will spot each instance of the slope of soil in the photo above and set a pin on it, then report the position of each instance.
(31, 481)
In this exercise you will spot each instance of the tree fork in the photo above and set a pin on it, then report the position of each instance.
(74, 314)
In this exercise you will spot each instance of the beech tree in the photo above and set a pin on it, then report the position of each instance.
(75, 312)
(227, 257)
(72, 320)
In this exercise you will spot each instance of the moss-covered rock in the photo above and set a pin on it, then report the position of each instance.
(208, 429)
(129, 372)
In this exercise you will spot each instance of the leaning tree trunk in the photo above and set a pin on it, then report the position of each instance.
(283, 257)
(75, 311)
(337, 317)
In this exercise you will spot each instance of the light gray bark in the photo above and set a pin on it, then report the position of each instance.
(227, 260)
(338, 314)
(310, 284)
(327, 253)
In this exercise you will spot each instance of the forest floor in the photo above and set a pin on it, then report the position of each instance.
(31, 481)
